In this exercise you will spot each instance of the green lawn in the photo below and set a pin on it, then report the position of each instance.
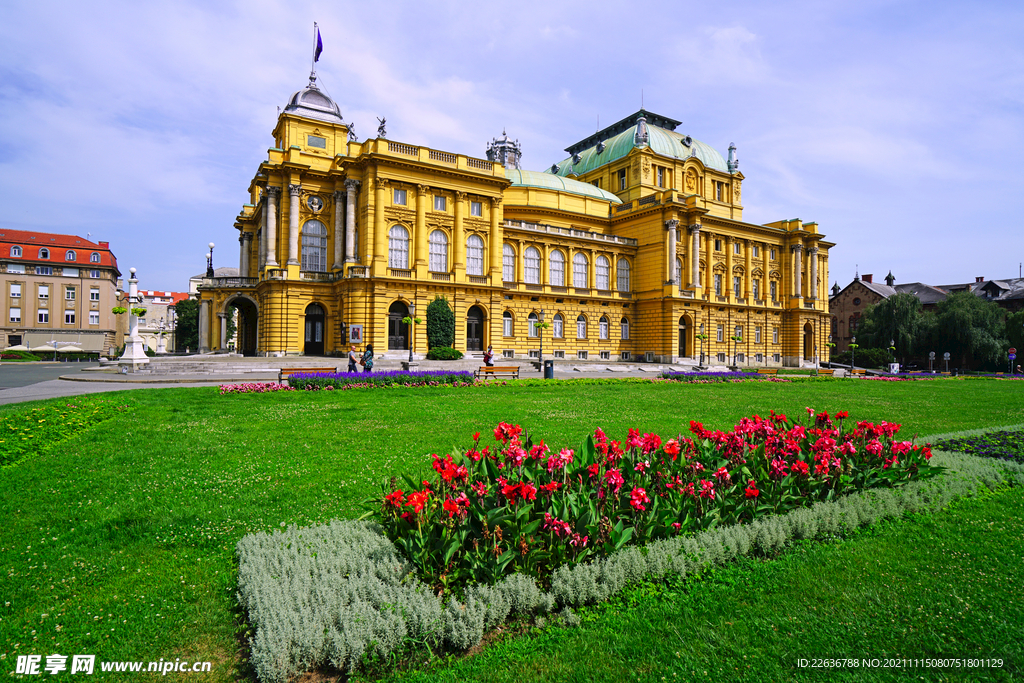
(119, 542)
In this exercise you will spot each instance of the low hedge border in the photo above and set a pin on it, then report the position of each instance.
(338, 593)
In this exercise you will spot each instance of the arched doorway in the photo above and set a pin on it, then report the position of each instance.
(398, 332)
(246, 319)
(808, 342)
(475, 329)
(316, 318)
(682, 337)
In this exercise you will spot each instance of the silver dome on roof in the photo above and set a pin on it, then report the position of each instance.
(313, 104)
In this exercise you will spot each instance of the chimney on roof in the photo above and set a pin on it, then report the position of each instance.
(979, 279)
(867, 277)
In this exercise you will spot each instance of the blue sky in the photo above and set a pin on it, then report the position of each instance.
(897, 126)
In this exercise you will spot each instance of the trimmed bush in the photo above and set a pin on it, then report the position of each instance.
(440, 323)
(444, 353)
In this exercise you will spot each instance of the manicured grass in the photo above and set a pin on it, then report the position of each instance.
(123, 536)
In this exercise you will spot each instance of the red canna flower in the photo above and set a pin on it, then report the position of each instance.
(638, 498)
(722, 475)
(751, 490)
(394, 500)
(672, 448)
(417, 500)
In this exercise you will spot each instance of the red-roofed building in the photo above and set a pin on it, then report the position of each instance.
(56, 289)
(157, 327)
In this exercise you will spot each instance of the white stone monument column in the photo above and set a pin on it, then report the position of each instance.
(270, 229)
(351, 187)
(294, 191)
(812, 286)
(798, 257)
(339, 230)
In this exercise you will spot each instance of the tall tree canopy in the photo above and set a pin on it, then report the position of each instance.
(187, 328)
(898, 319)
(971, 330)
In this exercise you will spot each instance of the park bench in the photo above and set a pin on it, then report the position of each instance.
(509, 371)
(767, 371)
(827, 372)
(285, 373)
(859, 371)
(945, 373)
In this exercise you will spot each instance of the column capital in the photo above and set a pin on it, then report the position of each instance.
(496, 202)
(798, 248)
(813, 250)
(460, 196)
(294, 190)
(339, 195)
(381, 183)
(671, 224)
(273, 192)
(351, 185)
(695, 228)
(421, 190)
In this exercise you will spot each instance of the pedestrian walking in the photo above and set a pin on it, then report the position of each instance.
(367, 360)
(489, 357)
(352, 359)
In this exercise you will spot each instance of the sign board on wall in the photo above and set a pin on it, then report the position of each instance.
(355, 334)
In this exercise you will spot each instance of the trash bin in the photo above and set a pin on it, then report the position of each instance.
(549, 369)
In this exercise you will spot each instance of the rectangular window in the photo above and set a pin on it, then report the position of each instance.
(624, 331)
(757, 289)
(622, 179)
(757, 251)
(94, 317)
(69, 294)
(776, 357)
(581, 355)
(736, 286)
(661, 176)
(16, 268)
(95, 274)
(508, 353)
(44, 315)
(506, 327)
(759, 358)
(740, 358)
(69, 317)
(718, 284)
(44, 291)
(721, 358)
(757, 334)
(606, 355)
(94, 294)
(581, 328)
(772, 255)
(400, 197)
(556, 327)
(719, 187)
(42, 270)
(775, 335)
(602, 329)
(720, 334)
(718, 245)
(559, 354)
(772, 288)
(15, 316)
(440, 203)
(476, 209)
(531, 325)
(316, 141)
(739, 332)
(15, 290)
(534, 353)
(69, 272)
(735, 247)
(624, 355)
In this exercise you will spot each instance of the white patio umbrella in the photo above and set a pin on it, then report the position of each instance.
(17, 347)
(45, 347)
(70, 349)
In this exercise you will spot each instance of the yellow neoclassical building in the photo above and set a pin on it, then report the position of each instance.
(632, 248)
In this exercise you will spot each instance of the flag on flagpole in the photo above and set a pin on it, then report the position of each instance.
(319, 46)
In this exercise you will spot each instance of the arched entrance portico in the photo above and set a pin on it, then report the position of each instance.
(246, 320)
(398, 332)
(316, 319)
(475, 329)
(684, 325)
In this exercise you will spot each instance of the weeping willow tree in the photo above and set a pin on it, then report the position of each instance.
(900, 320)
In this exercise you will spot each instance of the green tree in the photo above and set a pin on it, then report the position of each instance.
(440, 323)
(899, 319)
(1015, 333)
(186, 334)
(971, 330)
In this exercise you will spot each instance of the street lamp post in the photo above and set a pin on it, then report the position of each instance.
(853, 351)
(892, 353)
(412, 329)
(209, 261)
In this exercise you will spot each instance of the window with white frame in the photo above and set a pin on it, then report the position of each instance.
(508, 353)
(756, 286)
(440, 203)
(69, 293)
(757, 334)
(776, 357)
(69, 317)
(759, 357)
(736, 247)
(474, 255)
(581, 327)
(94, 317)
(95, 274)
(720, 335)
(625, 355)
(398, 247)
(622, 179)
(606, 355)
(557, 268)
(624, 328)
(721, 358)
(43, 315)
(579, 271)
(718, 284)
(741, 358)
(400, 197)
(438, 251)
(15, 251)
(773, 290)
(508, 263)
(558, 326)
(69, 255)
(738, 332)
(581, 355)
(476, 209)
(623, 275)
(531, 266)
(13, 268)
(603, 273)
(559, 354)
(775, 335)
(736, 284)
(94, 257)
(771, 255)
(757, 251)
(44, 253)
(15, 315)
(531, 323)
(602, 327)
(314, 247)
(15, 290)
(94, 294)
(677, 275)
(507, 327)
(69, 272)
(44, 291)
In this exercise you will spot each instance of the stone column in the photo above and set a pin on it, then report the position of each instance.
(339, 232)
(270, 231)
(496, 241)
(223, 331)
(351, 187)
(670, 248)
(204, 326)
(798, 256)
(459, 237)
(293, 224)
(243, 255)
(420, 231)
(812, 286)
(695, 256)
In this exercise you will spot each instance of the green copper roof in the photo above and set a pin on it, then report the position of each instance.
(661, 141)
(553, 182)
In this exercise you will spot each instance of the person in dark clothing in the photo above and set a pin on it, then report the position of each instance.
(367, 360)
(352, 359)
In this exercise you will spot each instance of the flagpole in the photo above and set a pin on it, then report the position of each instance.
(312, 60)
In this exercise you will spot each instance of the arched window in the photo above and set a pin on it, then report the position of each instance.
(557, 260)
(15, 251)
(508, 263)
(558, 326)
(579, 271)
(94, 258)
(398, 247)
(581, 327)
(507, 328)
(438, 252)
(532, 322)
(623, 275)
(603, 270)
(853, 323)
(624, 325)
(314, 246)
(44, 253)
(531, 266)
(603, 327)
(69, 255)
(474, 255)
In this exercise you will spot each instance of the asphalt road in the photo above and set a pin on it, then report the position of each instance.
(14, 375)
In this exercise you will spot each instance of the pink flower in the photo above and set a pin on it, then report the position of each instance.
(778, 468)
(642, 466)
(479, 488)
(722, 475)
(874, 447)
(707, 489)
(634, 440)
(651, 443)
(594, 470)
(558, 461)
(614, 479)
(638, 498)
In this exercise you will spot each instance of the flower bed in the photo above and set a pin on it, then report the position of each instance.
(1005, 445)
(343, 380)
(712, 377)
(253, 388)
(521, 506)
